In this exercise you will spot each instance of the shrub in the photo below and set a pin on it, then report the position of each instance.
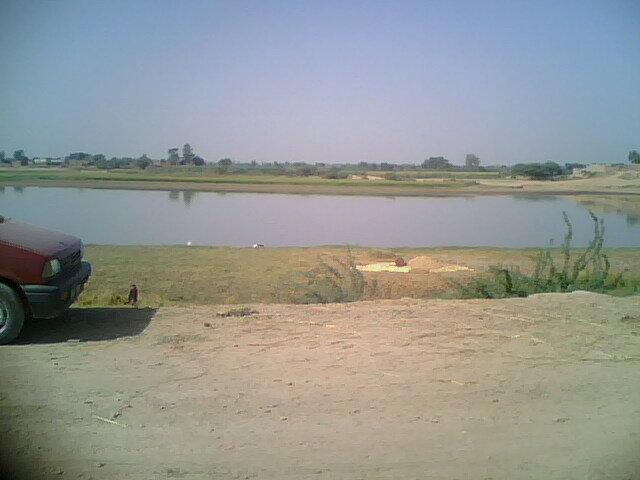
(335, 174)
(305, 171)
(392, 176)
(335, 280)
(589, 270)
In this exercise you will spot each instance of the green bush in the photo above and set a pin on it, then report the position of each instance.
(588, 270)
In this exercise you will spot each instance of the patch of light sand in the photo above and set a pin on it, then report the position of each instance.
(420, 264)
(425, 263)
(383, 267)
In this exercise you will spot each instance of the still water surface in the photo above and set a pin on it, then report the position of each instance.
(125, 217)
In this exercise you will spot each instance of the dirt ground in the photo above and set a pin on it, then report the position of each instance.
(546, 387)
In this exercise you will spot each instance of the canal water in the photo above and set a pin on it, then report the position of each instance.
(142, 217)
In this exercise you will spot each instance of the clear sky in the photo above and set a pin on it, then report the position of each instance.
(323, 81)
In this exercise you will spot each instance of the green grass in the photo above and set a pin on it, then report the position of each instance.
(217, 275)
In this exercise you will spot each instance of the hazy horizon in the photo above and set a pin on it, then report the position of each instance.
(333, 82)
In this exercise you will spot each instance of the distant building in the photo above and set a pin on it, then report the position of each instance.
(47, 161)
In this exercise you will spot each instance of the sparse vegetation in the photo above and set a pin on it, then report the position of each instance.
(223, 275)
(334, 280)
(238, 312)
(589, 269)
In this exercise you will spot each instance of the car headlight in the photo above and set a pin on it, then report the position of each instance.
(51, 268)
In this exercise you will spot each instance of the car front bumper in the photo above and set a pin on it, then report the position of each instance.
(49, 301)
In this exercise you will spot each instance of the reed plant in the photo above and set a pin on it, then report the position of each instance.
(335, 280)
(588, 269)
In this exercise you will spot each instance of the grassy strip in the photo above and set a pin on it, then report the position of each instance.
(432, 183)
(221, 275)
(8, 176)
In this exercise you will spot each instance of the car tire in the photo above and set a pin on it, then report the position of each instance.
(11, 314)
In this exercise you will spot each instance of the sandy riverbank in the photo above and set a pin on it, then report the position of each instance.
(543, 387)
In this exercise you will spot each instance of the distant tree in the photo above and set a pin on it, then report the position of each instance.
(79, 157)
(334, 173)
(21, 158)
(436, 163)
(538, 171)
(305, 170)
(187, 154)
(3, 157)
(172, 156)
(224, 164)
(254, 163)
(363, 165)
(634, 156)
(104, 164)
(388, 166)
(198, 161)
(471, 161)
(143, 162)
(98, 158)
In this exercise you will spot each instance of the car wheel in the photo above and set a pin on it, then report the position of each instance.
(11, 314)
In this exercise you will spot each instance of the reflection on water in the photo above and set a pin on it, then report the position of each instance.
(633, 219)
(241, 219)
(629, 206)
(18, 189)
(187, 196)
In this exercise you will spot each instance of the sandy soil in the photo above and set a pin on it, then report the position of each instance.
(546, 387)
(427, 264)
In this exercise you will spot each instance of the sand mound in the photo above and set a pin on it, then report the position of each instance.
(419, 264)
(383, 267)
(427, 264)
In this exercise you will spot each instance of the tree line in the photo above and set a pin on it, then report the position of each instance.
(187, 157)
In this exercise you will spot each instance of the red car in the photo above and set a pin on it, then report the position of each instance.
(41, 274)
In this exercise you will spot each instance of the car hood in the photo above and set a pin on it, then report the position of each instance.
(35, 239)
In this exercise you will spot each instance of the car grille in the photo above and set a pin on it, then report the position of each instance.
(71, 261)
